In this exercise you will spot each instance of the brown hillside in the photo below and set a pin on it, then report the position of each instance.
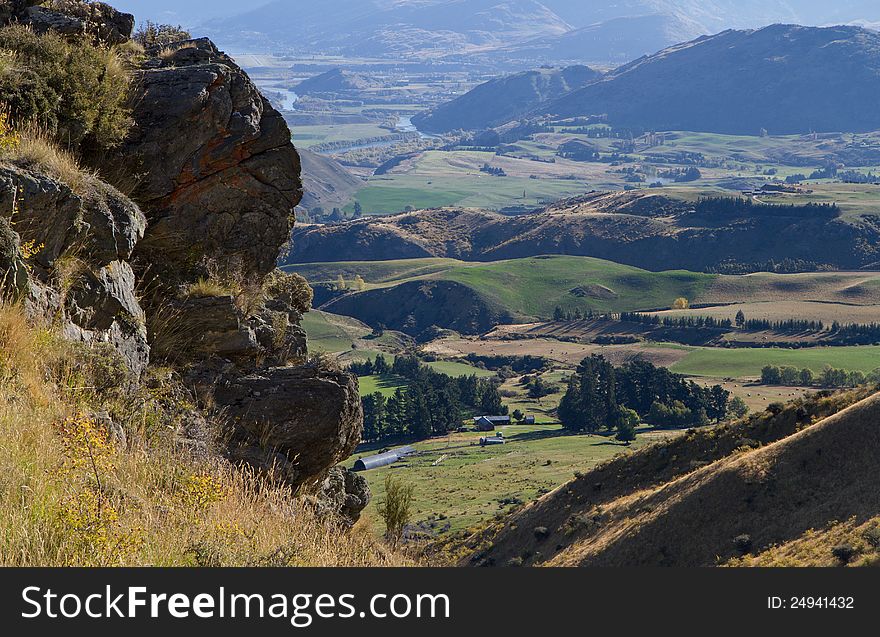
(768, 480)
(645, 230)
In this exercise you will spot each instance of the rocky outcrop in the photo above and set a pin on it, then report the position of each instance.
(212, 166)
(71, 18)
(80, 242)
(217, 174)
(302, 420)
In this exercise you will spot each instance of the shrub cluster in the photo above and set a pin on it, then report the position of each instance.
(76, 91)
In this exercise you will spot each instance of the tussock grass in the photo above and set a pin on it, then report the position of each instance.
(36, 148)
(72, 494)
(210, 287)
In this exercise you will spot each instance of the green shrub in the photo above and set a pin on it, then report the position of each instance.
(151, 34)
(76, 91)
(844, 553)
(291, 288)
(396, 508)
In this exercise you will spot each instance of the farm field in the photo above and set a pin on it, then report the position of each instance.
(757, 397)
(332, 333)
(386, 384)
(308, 136)
(532, 167)
(342, 335)
(747, 363)
(562, 352)
(712, 362)
(784, 310)
(446, 178)
(469, 484)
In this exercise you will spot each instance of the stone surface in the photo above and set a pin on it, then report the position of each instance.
(309, 416)
(212, 325)
(80, 269)
(344, 493)
(217, 173)
(71, 18)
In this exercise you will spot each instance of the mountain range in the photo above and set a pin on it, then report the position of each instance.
(784, 79)
(600, 30)
(501, 100)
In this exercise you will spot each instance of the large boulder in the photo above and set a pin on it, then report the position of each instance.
(76, 18)
(80, 240)
(217, 173)
(304, 419)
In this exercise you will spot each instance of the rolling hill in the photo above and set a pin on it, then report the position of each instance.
(498, 101)
(790, 478)
(643, 229)
(783, 79)
(336, 81)
(327, 184)
(471, 298)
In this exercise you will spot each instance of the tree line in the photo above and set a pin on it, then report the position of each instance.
(601, 396)
(829, 378)
(433, 403)
(738, 206)
(853, 333)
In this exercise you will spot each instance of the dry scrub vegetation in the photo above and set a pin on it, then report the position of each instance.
(77, 490)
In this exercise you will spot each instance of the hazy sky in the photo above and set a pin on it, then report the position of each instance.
(186, 12)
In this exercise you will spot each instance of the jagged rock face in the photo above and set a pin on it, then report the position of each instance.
(93, 19)
(217, 173)
(213, 325)
(13, 271)
(80, 270)
(308, 417)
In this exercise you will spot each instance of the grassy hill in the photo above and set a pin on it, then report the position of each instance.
(518, 289)
(775, 480)
(531, 288)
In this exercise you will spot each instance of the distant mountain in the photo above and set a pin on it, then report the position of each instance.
(617, 40)
(336, 81)
(498, 101)
(383, 27)
(783, 78)
(437, 28)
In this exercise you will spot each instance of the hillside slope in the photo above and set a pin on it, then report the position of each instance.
(738, 82)
(646, 230)
(326, 183)
(498, 101)
(747, 487)
(620, 39)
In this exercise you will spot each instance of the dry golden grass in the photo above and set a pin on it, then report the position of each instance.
(210, 287)
(849, 543)
(35, 147)
(769, 478)
(71, 494)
